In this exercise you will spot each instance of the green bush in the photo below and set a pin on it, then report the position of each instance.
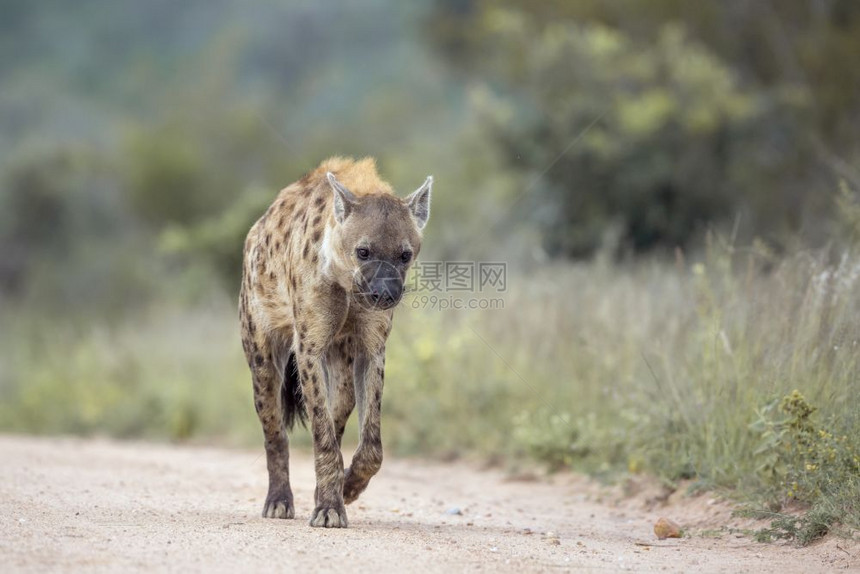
(805, 461)
(655, 141)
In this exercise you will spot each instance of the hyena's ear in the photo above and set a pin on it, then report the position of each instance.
(344, 199)
(419, 202)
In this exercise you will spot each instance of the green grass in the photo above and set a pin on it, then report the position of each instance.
(674, 369)
(173, 374)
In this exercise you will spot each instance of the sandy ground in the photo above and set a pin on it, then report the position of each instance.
(96, 505)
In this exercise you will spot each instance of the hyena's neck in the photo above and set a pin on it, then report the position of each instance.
(333, 262)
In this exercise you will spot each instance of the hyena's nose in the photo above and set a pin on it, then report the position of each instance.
(386, 293)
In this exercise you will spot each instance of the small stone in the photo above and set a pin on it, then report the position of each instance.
(665, 528)
(454, 511)
(551, 538)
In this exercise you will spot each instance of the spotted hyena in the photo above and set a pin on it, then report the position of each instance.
(323, 270)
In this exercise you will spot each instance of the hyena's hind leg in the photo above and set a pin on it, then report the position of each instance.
(271, 372)
(339, 382)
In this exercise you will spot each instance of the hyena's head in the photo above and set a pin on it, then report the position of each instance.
(376, 239)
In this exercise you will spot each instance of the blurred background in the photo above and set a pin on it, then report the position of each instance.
(672, 185)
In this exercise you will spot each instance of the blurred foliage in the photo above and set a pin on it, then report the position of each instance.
(68, 240)
(169, 374)
(568, 125)
(653, 121)
(653, 140)
(806, 43)
(219, 240)
(191, 126)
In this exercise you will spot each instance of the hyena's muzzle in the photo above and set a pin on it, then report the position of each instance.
(379, 285)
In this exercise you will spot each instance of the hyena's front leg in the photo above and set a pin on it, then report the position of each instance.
(328, 462)
(341, 390)
(267, 400)
(369, 375)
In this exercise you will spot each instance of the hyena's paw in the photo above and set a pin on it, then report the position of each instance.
(279, 505)
(353, 486)
(329, 516)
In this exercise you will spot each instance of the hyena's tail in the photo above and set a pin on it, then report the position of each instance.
(291, 395)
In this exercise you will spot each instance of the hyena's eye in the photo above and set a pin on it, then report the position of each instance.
(363, 253)
(406, 256)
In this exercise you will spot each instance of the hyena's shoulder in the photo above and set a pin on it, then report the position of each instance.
(289, 235)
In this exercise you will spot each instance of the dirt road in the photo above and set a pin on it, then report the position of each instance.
(77, 505)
